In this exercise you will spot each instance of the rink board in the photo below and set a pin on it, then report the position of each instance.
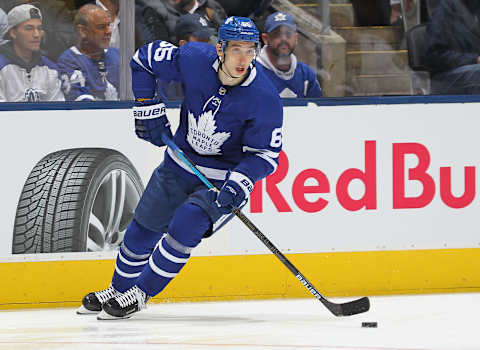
(350, 178)
(367, 199)
(64, 283)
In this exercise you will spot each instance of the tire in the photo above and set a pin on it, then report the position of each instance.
(76, 200)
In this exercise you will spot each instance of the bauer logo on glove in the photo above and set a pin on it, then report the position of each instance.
(248, 185)
(149, 113)
(151, 121)
(235, 192)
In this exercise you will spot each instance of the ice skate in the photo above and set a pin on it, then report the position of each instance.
(92, 302)
(124, 305)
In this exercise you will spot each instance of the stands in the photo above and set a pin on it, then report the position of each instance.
(354, 58)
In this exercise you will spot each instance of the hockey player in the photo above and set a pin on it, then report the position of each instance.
(291, 77)
(230, 126)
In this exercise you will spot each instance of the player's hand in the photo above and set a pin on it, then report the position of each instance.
(151, 121)
(234, 192)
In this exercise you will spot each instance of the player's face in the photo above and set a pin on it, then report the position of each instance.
(99, 30)
(237, 57)
(28, 35)
(282, 41)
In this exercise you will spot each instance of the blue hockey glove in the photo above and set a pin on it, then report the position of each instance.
(234, 192)
(151, 121)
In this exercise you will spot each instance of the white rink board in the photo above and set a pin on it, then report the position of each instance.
(332, 139)
(329, 139)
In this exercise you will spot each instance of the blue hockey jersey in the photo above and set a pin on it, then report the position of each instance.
(87, 79)
(221, 128)
(300, 81)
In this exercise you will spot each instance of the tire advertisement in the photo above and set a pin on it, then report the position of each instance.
(351, 178)
(92, 191)
(75, 178)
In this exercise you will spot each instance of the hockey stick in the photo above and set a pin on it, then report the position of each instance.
(338, 309)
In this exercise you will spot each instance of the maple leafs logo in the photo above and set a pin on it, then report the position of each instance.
(280, 17)
(202, 136)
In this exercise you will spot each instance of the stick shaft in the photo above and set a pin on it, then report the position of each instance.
(357, 306)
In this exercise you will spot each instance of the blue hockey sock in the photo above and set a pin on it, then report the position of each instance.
(164, 264)
(186, 229)
(133, 255)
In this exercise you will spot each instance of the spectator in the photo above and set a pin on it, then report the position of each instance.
(160, 16)
(291, 77)
(453, 46)
(58, 25)
(90, 70)
(193, 27)
(26, 75)
(3, 26)
(190, 27)
(112, 7)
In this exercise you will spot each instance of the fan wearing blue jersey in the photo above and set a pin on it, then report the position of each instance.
(90, 70)
(230, 126)
(291, 77)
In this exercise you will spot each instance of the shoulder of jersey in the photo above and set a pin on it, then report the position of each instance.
(263, 82)
(113, 51)
(49, 63)
(68, 55)
(194, 48)
(305, 67)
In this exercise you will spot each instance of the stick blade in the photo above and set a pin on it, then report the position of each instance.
(347, 309)
(355, 307)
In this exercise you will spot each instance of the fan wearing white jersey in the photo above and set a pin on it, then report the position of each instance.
(26, 75)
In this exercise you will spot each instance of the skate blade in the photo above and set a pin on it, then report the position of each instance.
(103, 316)
(83, 311)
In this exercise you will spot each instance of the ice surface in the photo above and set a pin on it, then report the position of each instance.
(424, 322)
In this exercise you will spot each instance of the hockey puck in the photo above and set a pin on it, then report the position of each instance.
(369, 324)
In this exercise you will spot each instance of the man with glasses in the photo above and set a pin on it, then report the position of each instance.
(90, 70)
(26, 75)
(291, 77)
(113, 8)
